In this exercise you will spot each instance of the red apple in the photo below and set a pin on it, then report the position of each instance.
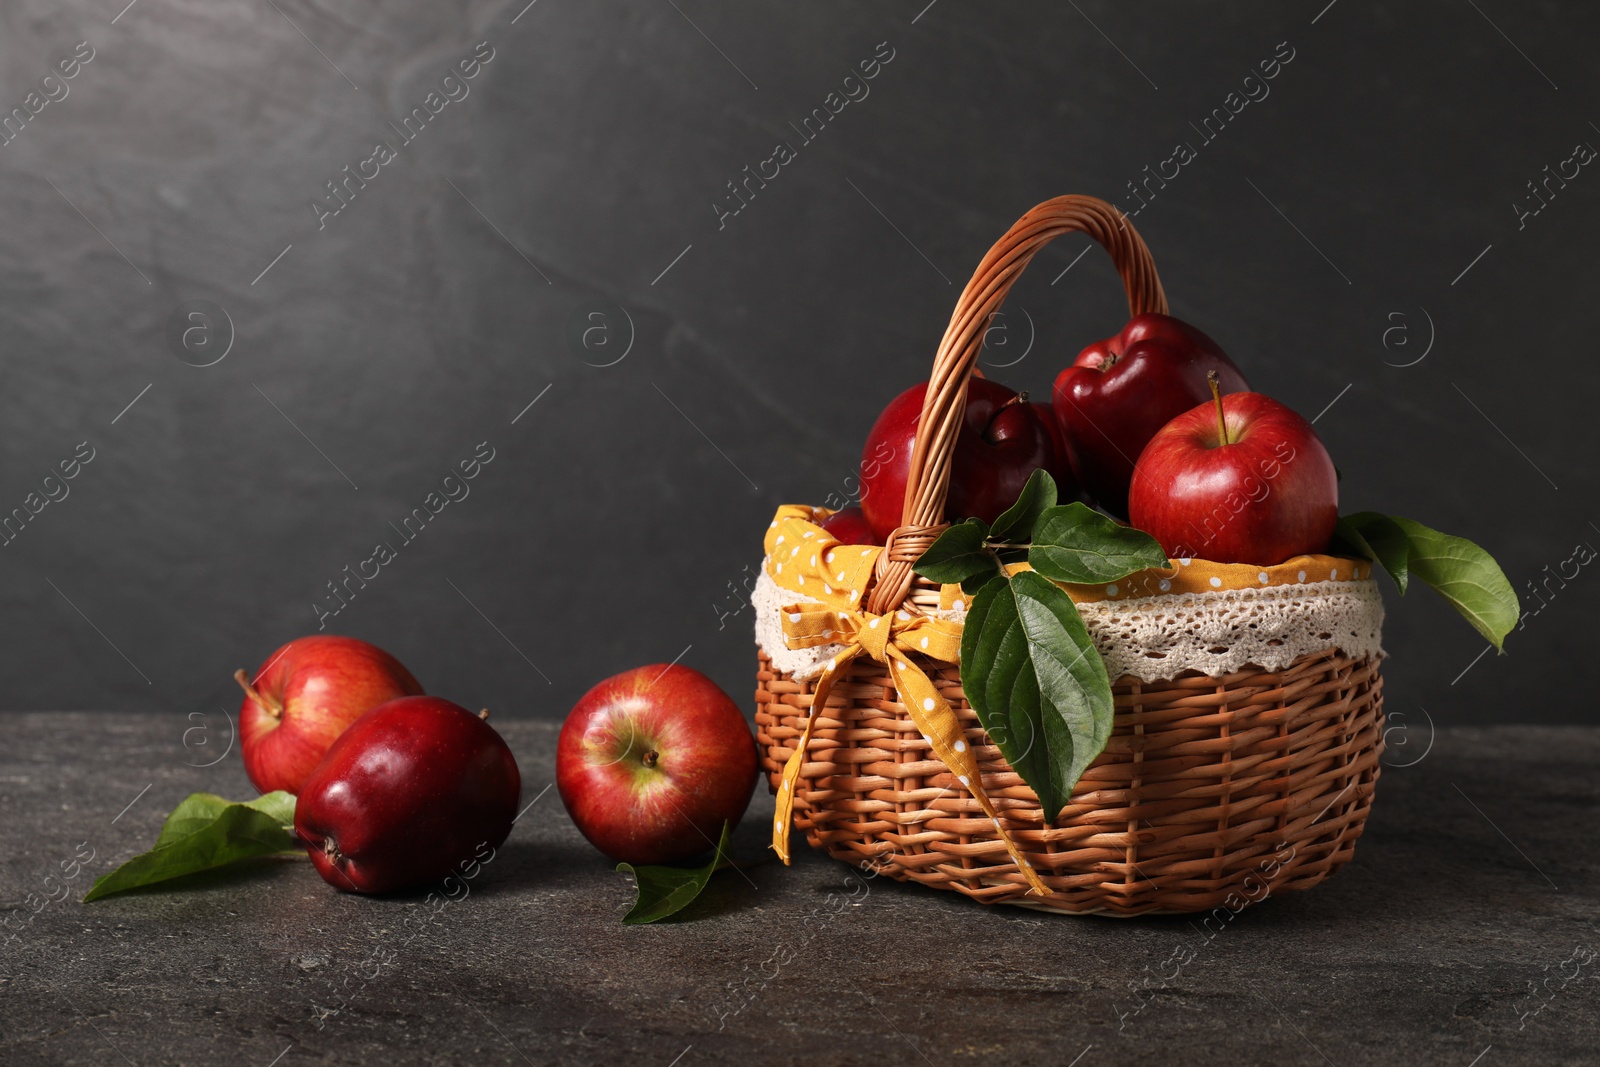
(849, 526)
(651, 763)
(1062, 470)
(413, 789)
(302, 699)
(1240, 479)
(1001, 443)
(1121, 390)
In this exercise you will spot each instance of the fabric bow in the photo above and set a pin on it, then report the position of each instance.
(891, 639)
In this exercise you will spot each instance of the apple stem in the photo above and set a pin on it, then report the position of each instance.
(1020, 398)
(484, 714)
(273, 707)
(1216, 397)
(650, 757)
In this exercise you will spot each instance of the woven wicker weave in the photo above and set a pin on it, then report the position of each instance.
(1213, 791)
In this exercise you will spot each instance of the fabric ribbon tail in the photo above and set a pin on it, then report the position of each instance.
(791, 769)
(938, 723)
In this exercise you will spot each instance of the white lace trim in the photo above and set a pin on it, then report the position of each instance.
(1159, 637)
(769, 598)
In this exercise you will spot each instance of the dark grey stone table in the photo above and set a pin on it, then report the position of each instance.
(1458, 936)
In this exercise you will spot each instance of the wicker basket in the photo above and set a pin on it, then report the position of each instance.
(1212, 791)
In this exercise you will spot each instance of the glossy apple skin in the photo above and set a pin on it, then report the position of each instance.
(1063, 470)
(652, 761)
(319, 685)
(997, 449)
(1269, 495)
(1121, 390)
(849, 526)
(414, 788)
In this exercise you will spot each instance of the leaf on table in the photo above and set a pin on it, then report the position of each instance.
(1466, 576)
(1376, 537)
(205, 832)
(1037, 682)
(1016, 523)
(279, 805)
(664, 891)
(198, 810)
(959, 553)
(1074, 543)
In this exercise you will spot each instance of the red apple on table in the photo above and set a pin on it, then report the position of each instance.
(304, 696)
(412, 791)
(1001, 443)
(651, 763)
(1121, 390)
(848, 526)
(1239, 479)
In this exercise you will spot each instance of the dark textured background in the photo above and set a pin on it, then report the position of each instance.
(622, 507)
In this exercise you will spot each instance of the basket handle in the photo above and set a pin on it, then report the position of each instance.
(944, 404)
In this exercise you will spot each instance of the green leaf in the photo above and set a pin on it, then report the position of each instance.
(1075, 543)
(1455, 568)
(972, 585)
(958, 554)
(1016, 523)
(1466, 576)
(280, 805)
(1037, 682)
(666, 890)
(1378, 538)
(198, 810)
(205, 832)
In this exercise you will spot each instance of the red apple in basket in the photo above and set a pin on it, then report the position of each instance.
(304, 696)
(1063, 470)
(1121, 390)
(849, 526)
(1240, 479)
(413, 790)
(1001, 443)
(651, 763)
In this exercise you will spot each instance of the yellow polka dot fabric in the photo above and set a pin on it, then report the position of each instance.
(803, 558)
(1189, 576)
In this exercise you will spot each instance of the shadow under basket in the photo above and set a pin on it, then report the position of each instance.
(1212, 791)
